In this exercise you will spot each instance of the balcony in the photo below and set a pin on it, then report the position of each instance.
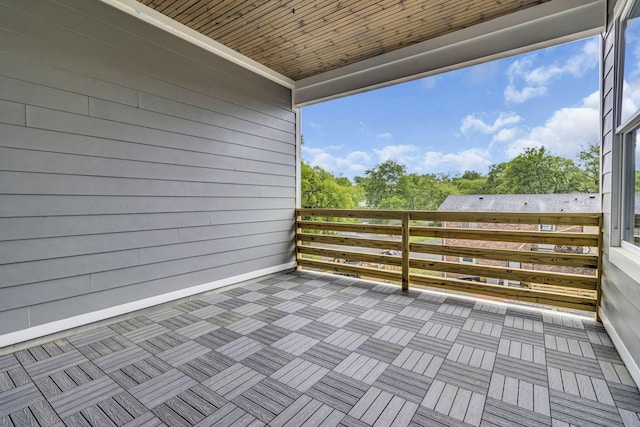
(309, 349)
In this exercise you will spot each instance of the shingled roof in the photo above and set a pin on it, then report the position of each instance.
(578, 202)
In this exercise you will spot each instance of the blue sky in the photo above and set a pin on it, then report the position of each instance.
(463, 120)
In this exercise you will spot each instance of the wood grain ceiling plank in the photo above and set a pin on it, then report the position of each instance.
(274, 28)
(336, 52)
(245, 17)
(287, 36)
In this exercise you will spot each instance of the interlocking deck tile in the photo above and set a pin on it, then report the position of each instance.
(468, 377)
(233, 381)
(406, 384)
(183, 353)
(380, 350)
(361, 368)
(240, 348)
(252, 296)
(522, 351)
(419, 362)
(346, 339)
(456, 402)
(266, 399)
(295, 343)
(380, 408)
(362, 326)
(55, 364)
(577, 410)
(500, 413)
(91, 336)
(246, 325)
(521, 369)
(440, 331)
(416, 313)
(307, 412)
(230, 416)
(209, 311)
(338, 391)
(292, 322)
(472, 356)
(145, 333)
(197, 329)
(290, 306)
(81, 397)
(127, 356)
(374, 315)
(19, 398)
(300, 374)
(527, 337)
(432, 345)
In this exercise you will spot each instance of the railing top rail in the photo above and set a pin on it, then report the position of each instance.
(551, 218)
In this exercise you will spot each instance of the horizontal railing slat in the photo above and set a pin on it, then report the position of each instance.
(526, 295)
(351, 241)
(536, 276)
(352, 269)
(567, 260)
(547, 237)
(589, 219)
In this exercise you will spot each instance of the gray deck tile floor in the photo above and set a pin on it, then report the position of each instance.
(302, 349)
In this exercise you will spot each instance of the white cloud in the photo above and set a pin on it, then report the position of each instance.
(472, 159)
(403, 154)
(515, 96)
(429, 82)
(354, 163)
(385, 135)
(314, 125)
(507, 134)
(527, 81)
(565, 133)
(473, 122)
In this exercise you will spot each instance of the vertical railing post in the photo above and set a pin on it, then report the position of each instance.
(405, 250)
(599, 269)
(298, 241)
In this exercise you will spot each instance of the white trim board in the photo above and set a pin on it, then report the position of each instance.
(95, 316)
(157, 19)
(629, 362)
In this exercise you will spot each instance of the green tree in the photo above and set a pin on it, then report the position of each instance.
(589, 162)
(470, 182)
(320, 189)
(536, 172)
(381, 183)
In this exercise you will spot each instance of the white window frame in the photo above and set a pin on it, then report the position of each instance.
(622, 254)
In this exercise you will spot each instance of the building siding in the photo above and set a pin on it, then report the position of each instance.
(620, 301)
(132, 164)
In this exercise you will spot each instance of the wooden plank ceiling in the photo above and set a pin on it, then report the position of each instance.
(302, 38)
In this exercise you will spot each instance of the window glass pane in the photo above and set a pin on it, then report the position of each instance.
(632, 189)
(631, 85)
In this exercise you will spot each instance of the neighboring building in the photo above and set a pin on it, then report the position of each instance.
(539, 203)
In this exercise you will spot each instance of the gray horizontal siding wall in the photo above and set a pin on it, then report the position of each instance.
(132, 164)
(620, 301)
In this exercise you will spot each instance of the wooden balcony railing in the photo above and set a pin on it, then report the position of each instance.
(505, 256)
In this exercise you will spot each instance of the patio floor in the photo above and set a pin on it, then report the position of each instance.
(303, 349)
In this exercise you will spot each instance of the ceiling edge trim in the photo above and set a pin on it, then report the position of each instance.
(155, 18)
(548, 24)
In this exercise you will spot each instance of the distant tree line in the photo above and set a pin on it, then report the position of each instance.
(389, 186)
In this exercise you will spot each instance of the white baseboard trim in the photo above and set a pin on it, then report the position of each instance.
(95, 316)
(629, 362)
